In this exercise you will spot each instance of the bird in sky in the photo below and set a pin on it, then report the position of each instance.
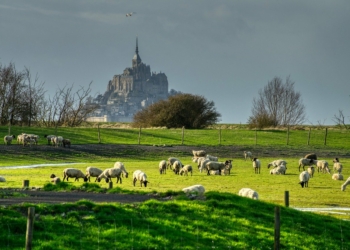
(130, 14)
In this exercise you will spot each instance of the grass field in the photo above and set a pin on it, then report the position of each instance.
(222, 221)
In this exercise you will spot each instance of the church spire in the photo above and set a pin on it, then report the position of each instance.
(136, 59)
(137, 46)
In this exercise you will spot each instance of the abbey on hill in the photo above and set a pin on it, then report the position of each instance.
(137, 87)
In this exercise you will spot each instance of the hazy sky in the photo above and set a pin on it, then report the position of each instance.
(223, 50)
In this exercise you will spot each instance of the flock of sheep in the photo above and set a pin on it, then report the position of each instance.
(32, 139)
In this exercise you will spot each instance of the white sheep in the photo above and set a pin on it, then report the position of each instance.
(201, 166)
(281, 169)
(277, 163)
(247, 154)
(140, 176)
(110, 173)
(93, 172)
(185, 169)
(55, 179)
(345, 184)
(27, 140)
(8, 139)
(73, 172)
(2, 179)
(337, 177)
(162, 167)
(256, 165)
(198, 153)
(311, 171)
(171, 161)
(48, 137)
(212, 158)
(177, 165)
(337, 166)
(249, 193)
(195, 189)
(57, 141)
(322, 166)
(215, 172)
(305, 162)
(304, 178)
(214, 165)
(120, 165)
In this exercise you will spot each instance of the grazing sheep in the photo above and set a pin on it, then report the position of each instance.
(228, 167)
(55, 179)
(110, 173)
(20, 138)
(2, 179)
(66, 142)
(171, 161)
(256, 165)
(311, 171)
(277, 163)
(281, 169)
(248, 154)
(93, 172)
(57, 141)
(202, 164)
(304, 178)
(138, 175)
(48, 137)
(214, 165)
(305, 162)
(162, 167)
(215, 172)
(337, 177)
(249, 193)
(28, 140)
(212, 158)
(322, 166)
(337, 166)
(8, 139)
(177, 165)
(73, 172)
(121, 166)
(185, 169)
(195, 189)
(312, 156)
(198, 153)
(345, 184)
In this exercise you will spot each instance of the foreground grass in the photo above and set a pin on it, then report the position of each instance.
(220, 221)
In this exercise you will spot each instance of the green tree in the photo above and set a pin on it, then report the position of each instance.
(180, 110)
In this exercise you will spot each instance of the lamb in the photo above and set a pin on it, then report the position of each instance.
(8, 139)
(198, 153)
(121, 166)
(281, 169)
(48, 137)
(311, 156)
(57, 141)
(337, 177)
(2, 179)
(171, 161)
(248, 154)
(110, 173)
(195, 189)
(93, 172)
(212, 158)
(185, 169)
(162, 167)
(322, 166)
(305, 162)
(138, 175)
(304, 178)
(337, 166)
(66, 142)
(215, 172)
(177, 165)
(249, 193)
(214, 165)
(345, 184)
(277, 163)
(73, 172)
(311, 171)
(55, 179)
(256, 165)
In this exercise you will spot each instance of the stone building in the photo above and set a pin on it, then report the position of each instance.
(137, 87)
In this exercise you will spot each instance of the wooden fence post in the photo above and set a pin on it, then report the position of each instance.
(30, 223)
(25, 184)
(139, 135)
(183, 135)
(308, 138)
(325, 137)
(220, 135)
(286, 198)
(110, 185)
(98, 133)
(277, 228)
(287, 135)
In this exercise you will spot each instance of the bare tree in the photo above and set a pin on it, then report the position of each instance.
(278, 104)
(339, 119)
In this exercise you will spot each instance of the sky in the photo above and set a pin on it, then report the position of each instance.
(225, 51)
